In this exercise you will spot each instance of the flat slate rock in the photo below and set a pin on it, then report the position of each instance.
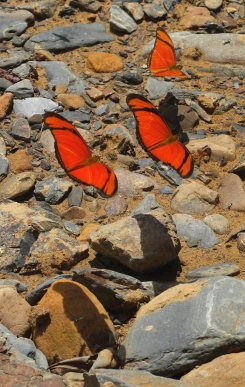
(69, 37)
(226, 268)
(189, 330)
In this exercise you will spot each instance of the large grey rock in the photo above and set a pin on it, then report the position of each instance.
(69, 37)
(142, 242)
(188, 331)
(36, 105)
(194, 231)
(148, 203)
(15, 59)
(121, 21)
(58, 73)
(14, 23)
(218, 223)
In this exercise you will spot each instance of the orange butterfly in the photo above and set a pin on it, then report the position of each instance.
(156, 137)
(76, 158)
(162, 61)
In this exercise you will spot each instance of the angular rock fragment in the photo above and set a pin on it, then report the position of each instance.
(142, 242)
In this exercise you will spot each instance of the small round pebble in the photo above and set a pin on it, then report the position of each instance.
(218, 223)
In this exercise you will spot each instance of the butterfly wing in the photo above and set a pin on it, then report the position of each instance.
(156, 137)
(163, 59)
(76, 158)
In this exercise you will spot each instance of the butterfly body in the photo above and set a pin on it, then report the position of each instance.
(156, 137)
(76, 158)
(162, 60)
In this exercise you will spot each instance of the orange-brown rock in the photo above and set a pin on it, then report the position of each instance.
(20, 161)
(5, 104)
(76, 323)
(103, 62)
(71, 101)
(88, 229)
(227, 370)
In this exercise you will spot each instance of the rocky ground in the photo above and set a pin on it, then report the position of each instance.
(145, 288)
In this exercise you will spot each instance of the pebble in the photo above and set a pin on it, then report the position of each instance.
(22, 71)
(133, 77)
(6, 101)
(194, 231)
(222, 147)
(102, 109)
(20, 129)
(17, 185)
(4, 84)
(155, 10)
(31, 106)
(60, 39)
(3, 148)
(116, 205)
(166, 190)
(15, 59)
(218, 223)
(135, 10)
(194, 198)
(74, 213)
(22, 89)
(52, 190)
(75, 196)
(47, 140)
(213, 4)
(121, 21)
(40, 9)
(148, 203)
(72, 228)
(131, 184)
(71, 101)
(103, 62)
(226, 268)
(231, 193)
(95, 94)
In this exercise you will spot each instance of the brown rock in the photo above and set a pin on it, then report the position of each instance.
(103, 62)
(194, 198)
(14, 311)
(226, 370)
(20, 161)
(73, 379)
(195, 17)
(231, 193)
(61, 89)
(142, 243)
(17, 185)
(95, 94)
(5, 104)
(222, 147)
(71, 101)
(132, 184)
(76, 323)
(13, 374)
